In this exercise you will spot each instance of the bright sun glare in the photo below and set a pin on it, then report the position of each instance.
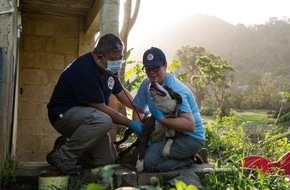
(157, 14)
(232, 11)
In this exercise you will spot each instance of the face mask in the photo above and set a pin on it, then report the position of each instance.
(114, 66)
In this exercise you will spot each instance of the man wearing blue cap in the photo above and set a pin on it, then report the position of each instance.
(190, 137)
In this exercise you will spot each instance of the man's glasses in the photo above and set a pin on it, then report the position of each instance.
(151, 69)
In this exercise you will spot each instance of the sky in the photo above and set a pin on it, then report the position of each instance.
(233, 11)
(156, 14)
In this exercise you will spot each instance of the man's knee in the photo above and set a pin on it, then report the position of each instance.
(101, 119)
(149, 162)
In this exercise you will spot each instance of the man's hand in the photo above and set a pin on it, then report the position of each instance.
(157, 113)
(136, 127)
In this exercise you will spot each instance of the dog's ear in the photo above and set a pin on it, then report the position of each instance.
(173, 94)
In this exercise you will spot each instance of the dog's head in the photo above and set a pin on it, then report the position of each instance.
(165, 98)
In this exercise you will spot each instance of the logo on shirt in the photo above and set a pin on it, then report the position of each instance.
(111, 83)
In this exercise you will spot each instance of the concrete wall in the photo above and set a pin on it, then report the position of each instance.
(48, 44)
(8, 62)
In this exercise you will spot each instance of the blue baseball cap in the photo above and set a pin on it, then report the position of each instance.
(154, 57)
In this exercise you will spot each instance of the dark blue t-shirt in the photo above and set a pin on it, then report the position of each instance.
(82, 82)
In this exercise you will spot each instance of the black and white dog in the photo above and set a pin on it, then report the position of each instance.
(167, 101)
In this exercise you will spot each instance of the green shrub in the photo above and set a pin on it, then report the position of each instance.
(233, 177)
(285, 118)
(9, 171)
(207, 111)
(228, 142)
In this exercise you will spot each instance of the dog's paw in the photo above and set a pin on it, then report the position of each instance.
(166, 151)
(167, 147)
(140, 165)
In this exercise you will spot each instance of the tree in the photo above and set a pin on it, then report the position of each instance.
(263, 91)
(186, 57)
(217, 76)
(128, 22)
(285, 96)
(208, 75)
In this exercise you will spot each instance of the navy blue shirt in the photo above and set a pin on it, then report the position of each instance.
(81, 83)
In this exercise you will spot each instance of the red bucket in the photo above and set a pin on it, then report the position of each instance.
(283, 164)
(255, 161)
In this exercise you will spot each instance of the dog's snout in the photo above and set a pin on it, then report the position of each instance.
(152, 85)
(156, 89)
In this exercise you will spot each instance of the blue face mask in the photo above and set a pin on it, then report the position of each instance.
(114, 66)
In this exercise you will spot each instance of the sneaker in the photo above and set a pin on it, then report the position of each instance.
(66, 167)
(203, 153)
(57, 144)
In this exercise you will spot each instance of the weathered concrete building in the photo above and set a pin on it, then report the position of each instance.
(38, 39)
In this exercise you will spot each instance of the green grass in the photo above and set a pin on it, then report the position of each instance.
(249, 116)
(228, 141)
(253, 117)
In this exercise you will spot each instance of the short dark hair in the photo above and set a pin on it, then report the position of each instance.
(107, 43)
